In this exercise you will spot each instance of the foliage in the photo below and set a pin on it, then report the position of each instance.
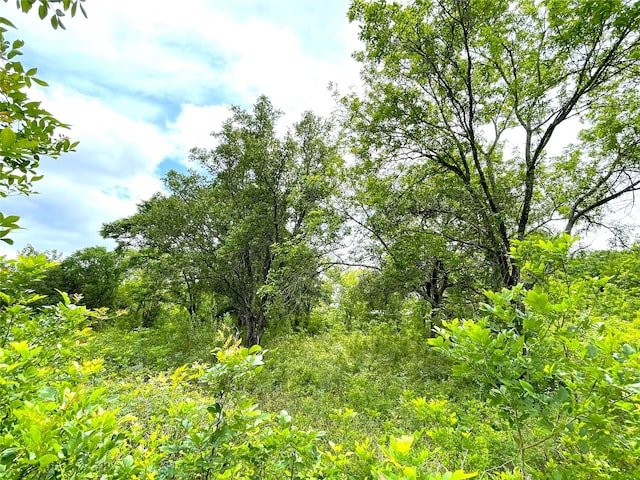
(146, 286)
(549, 368)
(91, 276)
(27, 131)
(94, 273)
(51, 423)
(255, 230)
(453, 130)
(46, 9)
(543, 382)
(618, 304)
(543, 391)
(192, 423)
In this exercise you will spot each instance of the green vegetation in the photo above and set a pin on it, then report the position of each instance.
(27, 131)
(255, 229)
(464, 338)
(538, 385)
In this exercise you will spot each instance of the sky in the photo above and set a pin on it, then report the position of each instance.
(142, 82)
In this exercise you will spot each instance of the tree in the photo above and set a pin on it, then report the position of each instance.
(166, 229)
(93, 272)
(27, 131)
(256, 228)
(413, 259)
(461, 101)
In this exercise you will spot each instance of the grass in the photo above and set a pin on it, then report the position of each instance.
(378, 383)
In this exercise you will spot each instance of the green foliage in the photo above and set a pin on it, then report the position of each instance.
(168, 344)
(27, 131)
(94, 273)
(545, 378)
(263, 212)
(556, 376)
(541, 390)
(51, 421)
(54, 12)
(618, 303)
(91, 276)
(16, 297)
(192, 423)
(452, 126)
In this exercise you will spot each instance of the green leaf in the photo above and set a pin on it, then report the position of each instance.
(461, 475)
(634, 387)
(538, 301)
(49, 394)
(47, 459)
(583, 446)
(169, 448)
(527, 387)
(403, 444)
(65, 297)
(8, 455)
(7, 138)
(9, 219)
(6, 22)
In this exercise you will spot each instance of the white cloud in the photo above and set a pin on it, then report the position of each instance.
(194, 126)
(143, 82)
(116, 145)
(113, 168)
(200, 51)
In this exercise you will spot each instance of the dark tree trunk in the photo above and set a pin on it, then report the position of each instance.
(433, 291)
(193, 311)
(253, 327)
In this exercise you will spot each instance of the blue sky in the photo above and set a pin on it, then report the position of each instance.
(141, 82)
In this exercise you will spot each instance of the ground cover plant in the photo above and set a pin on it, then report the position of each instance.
(189, 422)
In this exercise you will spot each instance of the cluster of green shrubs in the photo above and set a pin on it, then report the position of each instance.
(536, 386)
(56, 421)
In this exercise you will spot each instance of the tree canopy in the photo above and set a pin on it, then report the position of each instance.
(253, 228)
(456, 193)
(461, 102)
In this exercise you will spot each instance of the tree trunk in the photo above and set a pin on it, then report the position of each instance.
(254, 328)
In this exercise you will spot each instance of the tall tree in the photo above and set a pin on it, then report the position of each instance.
(406, 243)
(166, 234)
(462, 99)
(255, 228)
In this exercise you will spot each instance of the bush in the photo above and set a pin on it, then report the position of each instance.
(192, 424)
(568, 396)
